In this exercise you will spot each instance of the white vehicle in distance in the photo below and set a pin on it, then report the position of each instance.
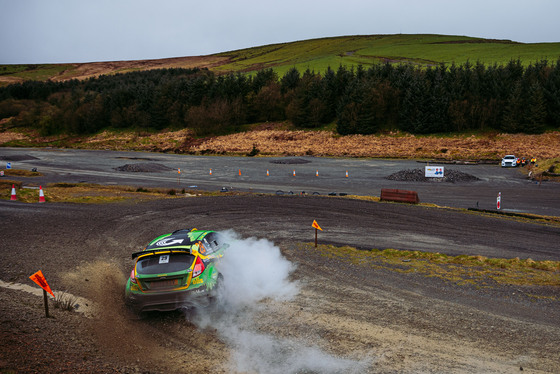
(509, 161)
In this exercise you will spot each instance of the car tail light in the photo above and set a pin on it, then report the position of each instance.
(198, 267)
(132, 277)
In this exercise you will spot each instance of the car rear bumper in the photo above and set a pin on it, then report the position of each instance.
(167, 301)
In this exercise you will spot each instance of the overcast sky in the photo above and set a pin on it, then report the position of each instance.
(56, 31)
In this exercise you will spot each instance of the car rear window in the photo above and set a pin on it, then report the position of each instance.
(164, 263)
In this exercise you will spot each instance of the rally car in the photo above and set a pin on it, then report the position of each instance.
(175, 271)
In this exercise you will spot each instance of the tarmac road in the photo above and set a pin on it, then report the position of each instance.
(358, 223)
(312, 174)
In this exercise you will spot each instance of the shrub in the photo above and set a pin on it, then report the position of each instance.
(64, 301)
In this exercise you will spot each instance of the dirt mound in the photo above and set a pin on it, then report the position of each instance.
(417, 175)
(18, 158)
(291, 161)
(143, 167)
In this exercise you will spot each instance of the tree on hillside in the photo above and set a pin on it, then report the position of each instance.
(551, 91)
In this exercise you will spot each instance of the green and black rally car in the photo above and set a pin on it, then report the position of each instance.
(176, 270)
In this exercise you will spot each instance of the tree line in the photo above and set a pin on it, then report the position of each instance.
(419, 100)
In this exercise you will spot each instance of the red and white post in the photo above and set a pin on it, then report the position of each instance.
(41, 195)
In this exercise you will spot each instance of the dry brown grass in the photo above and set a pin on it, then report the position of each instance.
(82, 71)
(395, 145)
(160, 142)
(275, 140)
(9, 136)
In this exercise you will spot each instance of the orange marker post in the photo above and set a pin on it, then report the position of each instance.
(39, 278)
(317, 227)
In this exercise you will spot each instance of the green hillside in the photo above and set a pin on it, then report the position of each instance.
(318, 54)
(314, 54)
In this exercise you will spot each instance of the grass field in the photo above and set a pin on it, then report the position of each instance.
(318, 54)
(315, 54)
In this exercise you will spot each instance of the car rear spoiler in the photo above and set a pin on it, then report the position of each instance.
(154, 251)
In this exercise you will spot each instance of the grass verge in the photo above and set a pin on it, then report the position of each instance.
(476, 270)
(89, 193)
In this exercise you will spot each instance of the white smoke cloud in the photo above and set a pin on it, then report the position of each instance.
(260, 353)
(255, 270)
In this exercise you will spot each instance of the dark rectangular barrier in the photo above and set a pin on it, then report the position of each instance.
(401, 196)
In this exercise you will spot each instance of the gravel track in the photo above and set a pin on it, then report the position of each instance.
(381, 320)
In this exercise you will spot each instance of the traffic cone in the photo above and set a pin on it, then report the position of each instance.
(267, 173)
(41, 195)
(294, 173)
(346, 173)
(239, 171)
(317, 173)
(14, 197)
(210, 171)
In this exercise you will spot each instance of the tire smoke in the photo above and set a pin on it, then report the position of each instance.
(256, 278)
(254, 269)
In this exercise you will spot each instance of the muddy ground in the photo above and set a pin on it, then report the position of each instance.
(343, 318)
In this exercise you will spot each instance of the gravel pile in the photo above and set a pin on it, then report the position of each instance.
(18, 158)
(417, 175)
(291, 161)
(144, 167)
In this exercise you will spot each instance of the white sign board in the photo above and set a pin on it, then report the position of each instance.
(434, 172)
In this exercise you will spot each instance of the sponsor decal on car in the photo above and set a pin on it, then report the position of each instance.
(169, 241)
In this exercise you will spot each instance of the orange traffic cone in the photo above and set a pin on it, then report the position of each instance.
(14, 197)
(210, 171)
(294, 173)
(317, 173)
(267, 173)
(41, 195)
(239, 171)
(346, 173)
